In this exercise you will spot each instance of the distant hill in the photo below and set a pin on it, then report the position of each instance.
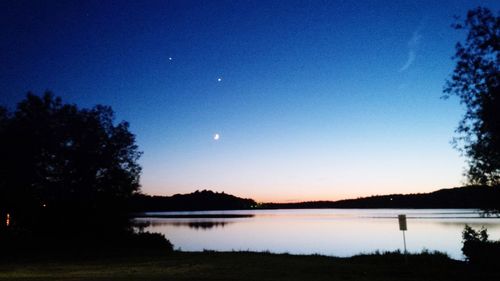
(470, 197)
(459, 197)
(198, 200)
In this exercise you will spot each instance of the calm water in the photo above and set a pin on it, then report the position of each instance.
(335, 232)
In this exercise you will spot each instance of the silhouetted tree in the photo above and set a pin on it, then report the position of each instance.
(476, 81)
(60, 161)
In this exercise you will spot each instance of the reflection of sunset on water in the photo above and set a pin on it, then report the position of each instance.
(339, 232)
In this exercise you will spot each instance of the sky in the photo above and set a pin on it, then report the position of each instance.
(272, 100)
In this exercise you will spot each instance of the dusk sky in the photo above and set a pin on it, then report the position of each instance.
(310, 100)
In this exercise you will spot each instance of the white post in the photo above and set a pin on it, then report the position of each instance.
(404, 240)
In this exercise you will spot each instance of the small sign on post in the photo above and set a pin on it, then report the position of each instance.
(402, 222)
(403, 227)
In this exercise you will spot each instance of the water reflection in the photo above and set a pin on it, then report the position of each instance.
(141, 224)
(490, 225)
(191, 215)
(325, 231)
(203, 225)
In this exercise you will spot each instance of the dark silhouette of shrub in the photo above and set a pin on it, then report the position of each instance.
(477, 249)
(148, 240)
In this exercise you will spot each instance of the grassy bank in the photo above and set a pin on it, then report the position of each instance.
(239, 266)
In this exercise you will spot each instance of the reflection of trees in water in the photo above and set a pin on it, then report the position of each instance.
(494, 224)
(490, 213)
(203, 225)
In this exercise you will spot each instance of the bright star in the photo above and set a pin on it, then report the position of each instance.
(216, 137)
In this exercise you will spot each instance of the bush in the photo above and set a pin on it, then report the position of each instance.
(148, 240)
(15, 240)
(477, 249)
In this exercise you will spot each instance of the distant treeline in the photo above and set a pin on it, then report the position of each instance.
(198, 200)
(477, 197)
(460, 197)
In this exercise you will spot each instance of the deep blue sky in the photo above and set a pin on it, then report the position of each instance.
(317, 99)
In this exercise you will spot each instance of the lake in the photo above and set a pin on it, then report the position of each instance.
(334, 232)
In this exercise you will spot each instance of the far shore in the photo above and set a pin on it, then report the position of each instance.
(466, 197)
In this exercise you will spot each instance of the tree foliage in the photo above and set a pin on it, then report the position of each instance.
(58, 158)
(477, 249)
(476, 82)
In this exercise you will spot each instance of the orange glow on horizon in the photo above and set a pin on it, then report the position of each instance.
(299, 194)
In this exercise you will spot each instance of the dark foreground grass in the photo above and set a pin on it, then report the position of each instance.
(239, 266)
